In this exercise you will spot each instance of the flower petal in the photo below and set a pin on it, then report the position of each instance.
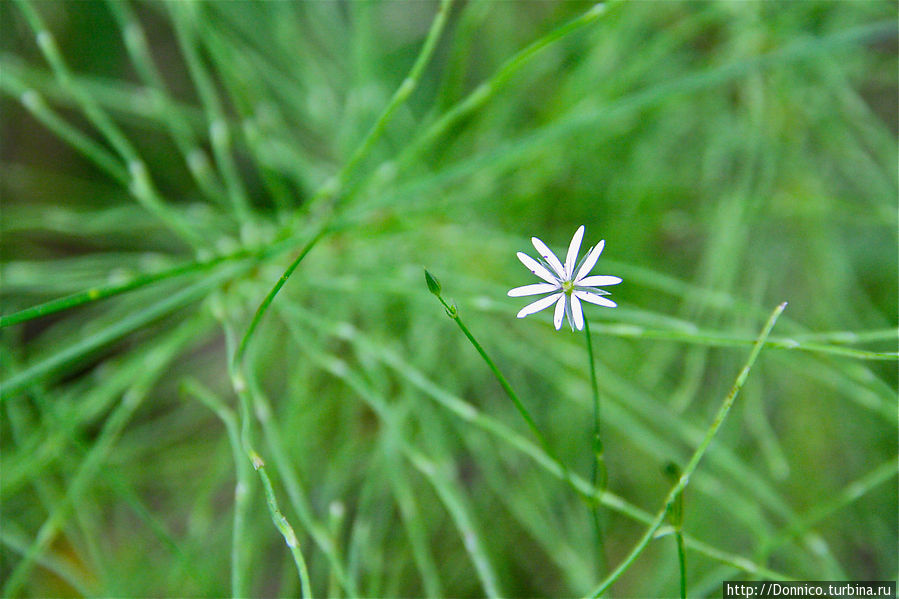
(550, 257)
(534, 289)
(590, 262)
(537, 268)
(573, 248)
(560, 311)
(540, 304)
(577, 313)
(595, 290)
(598, 281)
(595, 299)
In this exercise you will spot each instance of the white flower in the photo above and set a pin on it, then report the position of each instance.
(567, 285)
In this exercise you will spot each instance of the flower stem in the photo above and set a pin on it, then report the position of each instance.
(691, 466)
(599, 473)
(452, 312)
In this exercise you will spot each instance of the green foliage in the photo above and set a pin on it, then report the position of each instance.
(216, 340)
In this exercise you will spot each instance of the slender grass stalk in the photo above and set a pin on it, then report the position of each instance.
(336, 516)
(329, 192)
(18, 541)
(183, 16)
(598, 471)
(849, 494)
(697, 455)
(489, 88)
(681, 562)
(297, 496)
(238, 355)
(64, 427)
(180, 130)
(511, 153)
(676, 516)
(405, 500)
(283, 525)
(452, 312)
(242, 488)
(239, 383)
(99, 155)
(97, 293)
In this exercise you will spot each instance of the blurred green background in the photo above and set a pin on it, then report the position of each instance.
(733, 155)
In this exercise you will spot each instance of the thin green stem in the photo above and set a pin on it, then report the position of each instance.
(165, 107)
(184, 17)
(155, 361)
(484, 93)
(266, 303)
(141, 185)
(97, 293)
(453, 313)
(283, 526)
(296, 495)
(489, 88)
(17, 382)
(436, 475)
(35, 104)
(598, 474)
(697, 455)
(676, 516)
(239, 383)
(682, 563)
(331, 189)
(242, 486)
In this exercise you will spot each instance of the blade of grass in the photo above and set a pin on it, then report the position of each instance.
(297, 496)
(180, 130)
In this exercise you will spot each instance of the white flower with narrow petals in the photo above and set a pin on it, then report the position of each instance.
(567, 284)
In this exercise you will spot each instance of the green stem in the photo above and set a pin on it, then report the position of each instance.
(682, 563)
(239, 383)
(330, 191)
(599, 473)
(283, 526)
(697, 455)
(454, 314)
(242, 487)
(15, 384)
(264, 306)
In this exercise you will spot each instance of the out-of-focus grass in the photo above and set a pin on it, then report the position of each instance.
(168, 164)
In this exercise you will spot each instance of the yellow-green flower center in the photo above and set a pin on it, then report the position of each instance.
(568, 287)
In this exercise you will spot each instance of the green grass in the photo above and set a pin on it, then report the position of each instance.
(222, 372)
